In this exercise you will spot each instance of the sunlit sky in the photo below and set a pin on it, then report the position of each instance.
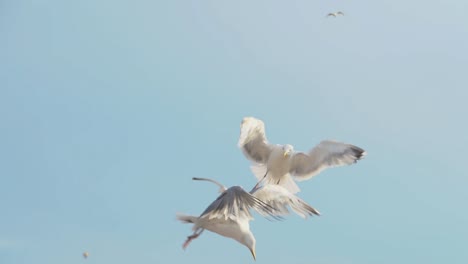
(109, 108)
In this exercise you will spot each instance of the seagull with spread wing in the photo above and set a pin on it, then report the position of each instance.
(229, 216)
(281, 165)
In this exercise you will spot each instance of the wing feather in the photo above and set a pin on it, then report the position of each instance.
(280, 198)
(235, 203)
(252, 140)
(327, 154)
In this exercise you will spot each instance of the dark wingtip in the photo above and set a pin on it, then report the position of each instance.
(358, 152)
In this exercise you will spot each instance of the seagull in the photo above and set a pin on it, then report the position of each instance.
(275, 164)
(85, 255)
(229, 216)
(335, 14)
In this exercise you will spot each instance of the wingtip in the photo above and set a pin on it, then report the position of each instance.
(362, 155)
(359, 153)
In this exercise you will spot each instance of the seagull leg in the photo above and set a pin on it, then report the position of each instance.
(256, 185)
(192, 237)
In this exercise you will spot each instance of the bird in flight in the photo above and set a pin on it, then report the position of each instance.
(229, 215)
(280, 164)
(335, 14)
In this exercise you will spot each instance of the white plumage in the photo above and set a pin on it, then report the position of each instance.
(229, 216)
(279, 164)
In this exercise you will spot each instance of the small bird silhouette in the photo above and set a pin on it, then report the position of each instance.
(85, 255)
(335, 14)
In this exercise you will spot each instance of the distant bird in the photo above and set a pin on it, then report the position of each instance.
(85, 255)
(229, 214)
(275, 164)
(335, 14)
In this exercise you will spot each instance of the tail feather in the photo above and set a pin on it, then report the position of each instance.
(186, 219)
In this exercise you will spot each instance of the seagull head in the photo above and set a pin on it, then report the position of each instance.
(249, 241)
(287, 150)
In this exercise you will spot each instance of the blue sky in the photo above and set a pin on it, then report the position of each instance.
(109, 108)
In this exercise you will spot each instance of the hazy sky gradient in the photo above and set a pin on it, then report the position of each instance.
(109, 108)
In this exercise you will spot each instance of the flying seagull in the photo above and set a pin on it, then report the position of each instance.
(335, 14)
(275, 164)
(229, 216)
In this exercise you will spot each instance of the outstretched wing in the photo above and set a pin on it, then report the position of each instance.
(280, 199)
(327, 154)
(235, 203)
(252, 140)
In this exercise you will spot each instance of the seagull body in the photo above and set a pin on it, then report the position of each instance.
(278, 164)
(229, 215)
(335, 14)
(238, 230)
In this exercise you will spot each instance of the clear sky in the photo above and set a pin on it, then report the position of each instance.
(109, 108)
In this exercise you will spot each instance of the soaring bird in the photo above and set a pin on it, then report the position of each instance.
(229, 216)
(335, 14)
(275, 164)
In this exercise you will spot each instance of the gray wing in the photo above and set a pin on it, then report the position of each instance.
(280, 199)
(252, 140)
(235, 203)
(327, 154)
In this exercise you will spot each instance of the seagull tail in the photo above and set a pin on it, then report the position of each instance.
(186, 219)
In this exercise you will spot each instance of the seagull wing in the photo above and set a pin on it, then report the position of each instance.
(235, 203)
(327, 154)
(222, 188)
(253, 142)
(280, 198)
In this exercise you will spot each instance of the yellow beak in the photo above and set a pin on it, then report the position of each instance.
(286, 153)
(253, 253)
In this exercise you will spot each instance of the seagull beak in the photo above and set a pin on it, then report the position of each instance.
(286, 153)
(253, 253)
